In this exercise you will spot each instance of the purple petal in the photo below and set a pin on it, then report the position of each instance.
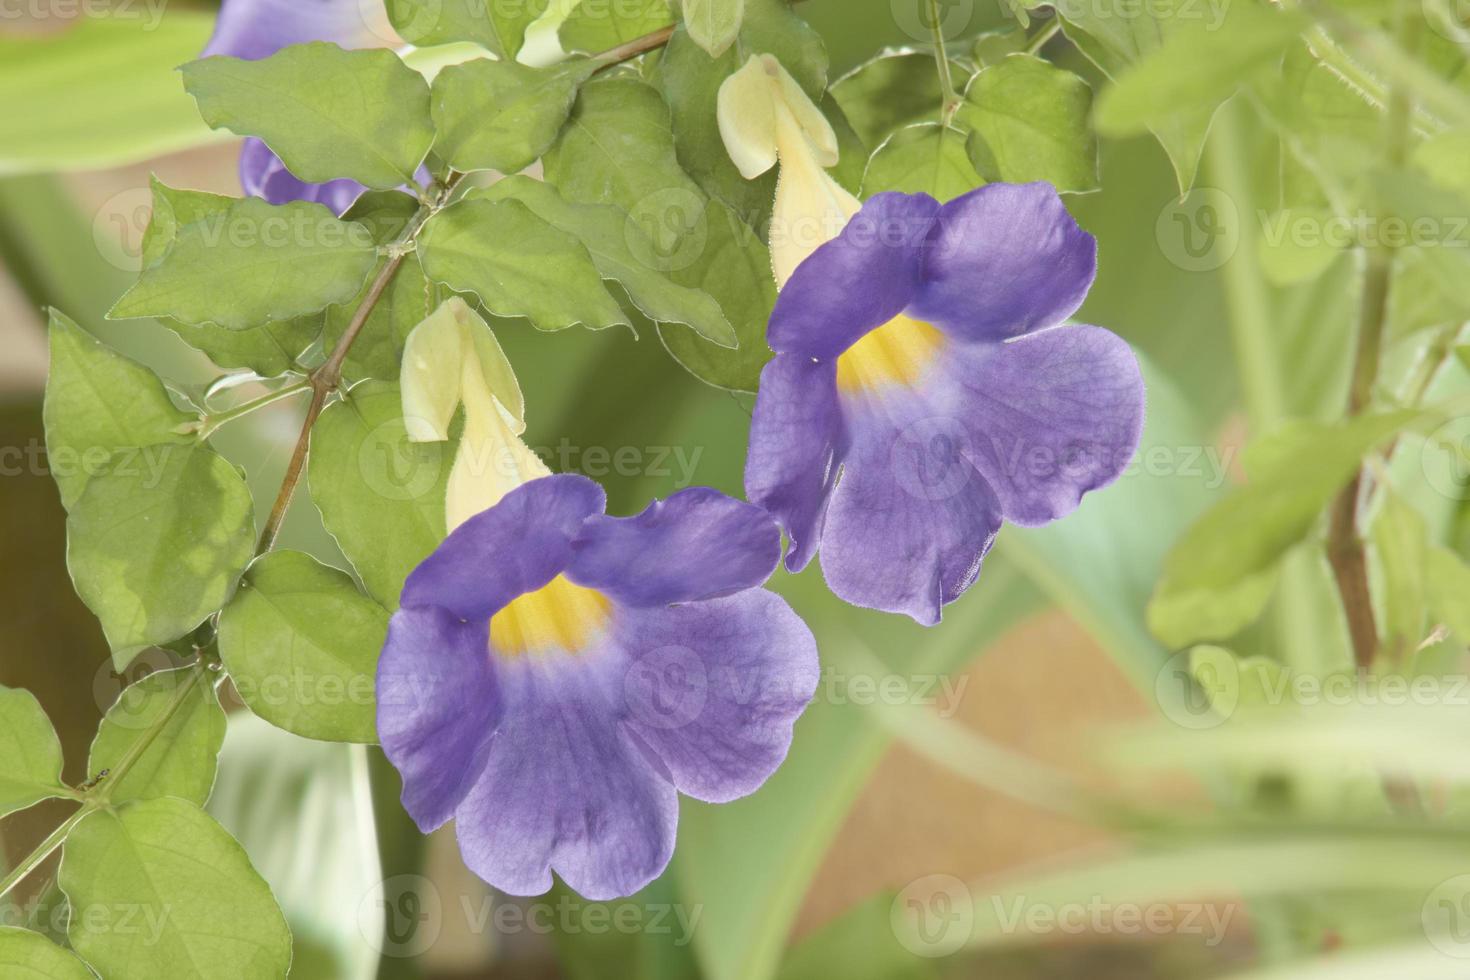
(564, 789)
(697, 544)
(713, 689)
(264, 175)
(517, 546)
(1005, 260)
(795, 433)
(438, 704)
(911, 519)
(254, 29)
(1052, 415)
(864, 277)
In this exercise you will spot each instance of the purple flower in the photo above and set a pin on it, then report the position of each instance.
(255, 29)
(555, 677)
(924, 390)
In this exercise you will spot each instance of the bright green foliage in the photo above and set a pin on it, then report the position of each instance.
(1401, 541)
(26, 955)
(301, 643)
(498, 27)
(254, 264)
(1220, 573)
(30, 754)
(1448, 585)
(88, 420)
(894, 90)
(499, 115)
(1028, 121)
(327, 113)
(518, 264)
(181, 759)
(381, 496)
(157, 542)
(623, 252)
(713, 24)
(195, 905)
(924, 158)
(595, 26)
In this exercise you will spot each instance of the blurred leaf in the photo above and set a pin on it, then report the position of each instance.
(380, 496)
(31, 770)
(621, 251)
(254, 264)
(713, 24)
(120, 100)
(327, 113)
(924, 158)
(1424, 292)
(1401, 540)
(499, 115)
(99, 403)
(181, 759)
(1028, 121)
(498, 27)
(690, 81)
(992, 46)
(1236, 682)
(283, 797)
(859, 943)
(896, 89)
(27, 955)
(1296, 244)
(301, 644)
(1449, 591)
(1445, 157)
(1198, 66)
(517, 264)
(595, 26)
(187, 888)
(1216, 578)
(157, 542)
(662, 953)
(1413, 959)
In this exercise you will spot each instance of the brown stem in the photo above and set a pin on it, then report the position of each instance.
(632, 49)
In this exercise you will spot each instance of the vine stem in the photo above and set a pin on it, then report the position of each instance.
(947, 91)
(211, 423)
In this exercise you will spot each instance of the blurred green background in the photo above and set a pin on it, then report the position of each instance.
(848, 862)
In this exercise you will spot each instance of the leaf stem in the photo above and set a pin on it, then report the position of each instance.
(210, 424)
(1043, 36)
(45, 849)
(947, 93)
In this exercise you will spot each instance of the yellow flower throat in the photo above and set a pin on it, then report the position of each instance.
(894, 354)
(558, 616)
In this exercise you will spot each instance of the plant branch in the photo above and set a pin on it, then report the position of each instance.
(1044, 36)
(947, 93)
(44, 850)
(210, 424)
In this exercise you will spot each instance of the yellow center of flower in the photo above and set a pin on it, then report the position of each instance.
(558, 616)
(894, 354)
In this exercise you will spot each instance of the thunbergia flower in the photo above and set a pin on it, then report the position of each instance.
(925, 390)
(255, 29)
(555, 677)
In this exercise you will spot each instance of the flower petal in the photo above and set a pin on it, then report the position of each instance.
(1053, 415)
(713, 689)
(563, 789)
(264, 175)
(911, 519)
(1004, 260)
(795, 433)
(517, 546)
(254, 29)
(438, 704)
(697, 544)
(864, 277)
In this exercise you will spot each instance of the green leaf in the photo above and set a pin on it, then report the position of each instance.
(497, 27)
(595, 26)
(30, 753)
(1401, 541)
(269, 351)
(1217, 578)
(623, 252)
(26, 955)
(1448, 581)
(195, 906)
(327, 113)
(860, 943)
(1199, 66)
(120, 103)
(380, 496)
(993, 46)
(254, 264)
(99, 403)
(1443, 156)
(157, 542)
(896, 89)
(1028, 121)
(1296, 245)
(301, 643)
(690, 81)
(500, 115)
(713, 24)
(517, 264)
(925, 158)
(181, 759)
